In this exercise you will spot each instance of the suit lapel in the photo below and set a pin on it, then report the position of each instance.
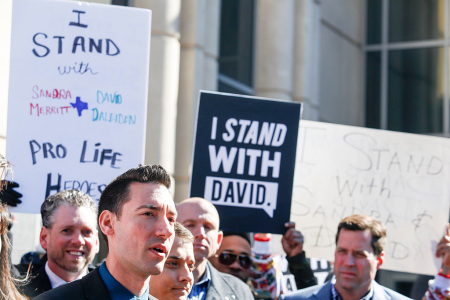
(93, 286)
(324, 293)
(42, 280)
(214, 286)
(379, 293)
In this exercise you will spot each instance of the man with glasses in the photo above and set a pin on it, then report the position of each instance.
(202, 219)
(234, 255)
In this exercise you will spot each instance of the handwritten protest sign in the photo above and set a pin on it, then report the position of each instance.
(401, 179)
(77, 96)
(244, 159)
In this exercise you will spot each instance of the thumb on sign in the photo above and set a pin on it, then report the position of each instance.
(443, 248)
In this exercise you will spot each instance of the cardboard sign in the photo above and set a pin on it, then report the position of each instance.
(401, 179)
(77, 96)
(244, 159)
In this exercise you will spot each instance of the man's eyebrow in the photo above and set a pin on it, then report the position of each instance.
(174, 257)
(150, 206)
(157, 208)
(173, 212)
(190, 220)
(63, 226)
(361, 251)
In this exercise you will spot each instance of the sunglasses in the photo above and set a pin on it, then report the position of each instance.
(227, 258)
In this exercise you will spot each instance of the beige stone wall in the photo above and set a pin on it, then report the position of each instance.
(198, 70)
(341, 63)
(163, 81)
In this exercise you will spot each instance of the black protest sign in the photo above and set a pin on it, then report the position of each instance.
(244, 159)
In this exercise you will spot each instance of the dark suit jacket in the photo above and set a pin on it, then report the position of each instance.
(90, 287)
(226, 286)
(323, 292)
(37, 284)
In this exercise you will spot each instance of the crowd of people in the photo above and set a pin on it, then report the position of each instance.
(159, 250)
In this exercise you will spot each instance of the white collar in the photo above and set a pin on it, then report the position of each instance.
(55, 280)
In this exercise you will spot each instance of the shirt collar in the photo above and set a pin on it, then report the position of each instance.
(55, 280)
(206, 276)
(336, 296)
(199, 289)
(116, 290)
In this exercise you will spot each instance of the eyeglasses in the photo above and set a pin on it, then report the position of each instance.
(227, 258)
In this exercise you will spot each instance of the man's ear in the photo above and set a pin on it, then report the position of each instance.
(380, 260)
(219, 239)
(43, 237)
(106, 222)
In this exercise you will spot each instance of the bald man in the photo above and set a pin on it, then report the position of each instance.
(202, 219)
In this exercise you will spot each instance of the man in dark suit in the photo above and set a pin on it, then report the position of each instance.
(136, 217)
(69, 235)
(202, 219)
(359, 254)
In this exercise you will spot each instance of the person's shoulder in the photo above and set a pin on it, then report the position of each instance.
(28, 269)
(35, 281)
(233, 280)
(308, 292)
(391, 293)
(71, 290)
(90, 285)
(220, 281)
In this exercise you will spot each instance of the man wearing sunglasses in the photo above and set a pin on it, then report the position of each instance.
(234, 256)
(202, 219)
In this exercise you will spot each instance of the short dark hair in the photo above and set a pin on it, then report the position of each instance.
(244, 235)
(74, 198)
(183, 234)
(116, 192)
(358, 222)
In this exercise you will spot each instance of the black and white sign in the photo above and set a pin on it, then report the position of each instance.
(244, 159)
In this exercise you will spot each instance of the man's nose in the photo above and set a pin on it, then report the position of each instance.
(164, 227)
(185, 275)
(199, 231)
(78, 239)
(350, 260)
(235, 265)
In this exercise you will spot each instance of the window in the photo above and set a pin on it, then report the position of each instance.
(120, 2)
(236, 47)
(407, 60)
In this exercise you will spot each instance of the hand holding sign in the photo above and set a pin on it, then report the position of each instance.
(8, 195)
(443, 249)
(292, 240)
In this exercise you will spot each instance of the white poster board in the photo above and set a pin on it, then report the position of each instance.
(78, 96)
(401, 179)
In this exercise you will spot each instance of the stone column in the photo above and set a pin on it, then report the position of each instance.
(307, 57)
(274, 48)
(163, 81)
(198, 70)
